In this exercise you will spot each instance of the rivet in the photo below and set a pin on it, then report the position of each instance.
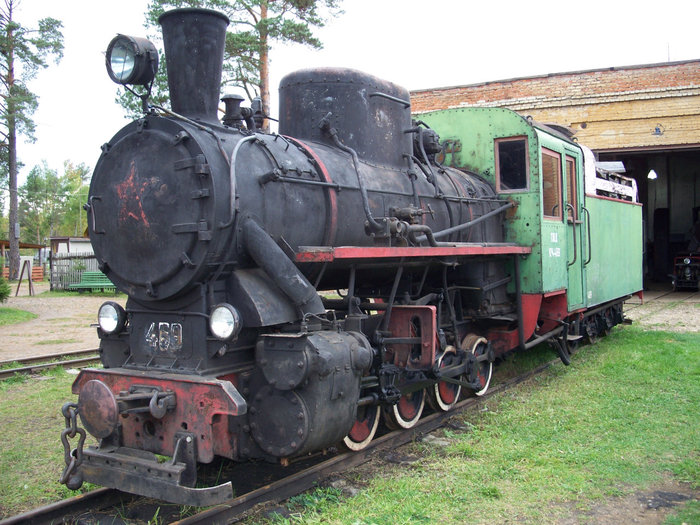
(253, 426)
(300, 364)
(291, 384)
(300, 416)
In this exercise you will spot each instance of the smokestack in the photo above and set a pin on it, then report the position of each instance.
(194, 52)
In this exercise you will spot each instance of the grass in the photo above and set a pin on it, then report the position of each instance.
(31, 457)
(56, 341)
(621, 419)
(14, 315)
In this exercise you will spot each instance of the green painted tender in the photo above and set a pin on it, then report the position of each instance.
(584, 245)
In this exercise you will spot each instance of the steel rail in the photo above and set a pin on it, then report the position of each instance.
(41, 364)
(66, 511)
(48, 357)
(305, 479)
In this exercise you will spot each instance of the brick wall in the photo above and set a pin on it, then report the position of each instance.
(608, 109)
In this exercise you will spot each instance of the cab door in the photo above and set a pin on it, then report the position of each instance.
(573, 182)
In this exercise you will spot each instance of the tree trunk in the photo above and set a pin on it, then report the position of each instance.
(264, 68)
(12, 152)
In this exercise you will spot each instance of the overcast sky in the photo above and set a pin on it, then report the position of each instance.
(414, 43)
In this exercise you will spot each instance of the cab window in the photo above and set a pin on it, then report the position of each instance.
(511, 164)
(551, 184)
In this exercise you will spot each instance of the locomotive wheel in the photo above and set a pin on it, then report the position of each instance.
(477, 345)
(618, 316)
(364, 429)
(609, 319)
(443, 395)
(406, 412)
(591, 329)
(602, 324)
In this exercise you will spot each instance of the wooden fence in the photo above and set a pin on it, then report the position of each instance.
(66, 269)
(37, 273)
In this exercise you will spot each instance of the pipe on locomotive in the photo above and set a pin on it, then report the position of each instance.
(194, 56)
(194, 41)
(270, 257)
(466, 225)
(325, 126)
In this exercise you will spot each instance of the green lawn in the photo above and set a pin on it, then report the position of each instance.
(14, 315)
(623, 417)
(31, 457)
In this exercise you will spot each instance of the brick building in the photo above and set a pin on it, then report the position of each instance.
(647, 116)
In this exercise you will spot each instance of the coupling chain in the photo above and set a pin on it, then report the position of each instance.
(73, 457)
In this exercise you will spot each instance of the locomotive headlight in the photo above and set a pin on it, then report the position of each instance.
(686, 260)
(224, 322)
(131, 60)
(111, 317)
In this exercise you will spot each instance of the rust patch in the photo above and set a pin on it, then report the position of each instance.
(130, 198)
(511, 213)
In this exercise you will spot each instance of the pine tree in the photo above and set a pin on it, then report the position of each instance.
(51, 204)
(255, 24)
(23, 52)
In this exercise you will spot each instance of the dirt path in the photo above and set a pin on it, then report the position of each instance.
(666, 310)
(62, 325)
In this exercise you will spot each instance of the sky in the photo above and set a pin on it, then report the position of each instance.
(413, 43)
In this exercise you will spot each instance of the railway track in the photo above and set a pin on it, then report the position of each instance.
(102, 502)
(78, 359)
(84, 508)
(679, 296)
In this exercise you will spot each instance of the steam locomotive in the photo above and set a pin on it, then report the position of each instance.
(288, 291)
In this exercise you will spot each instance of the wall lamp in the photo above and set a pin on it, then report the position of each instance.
(652, 175)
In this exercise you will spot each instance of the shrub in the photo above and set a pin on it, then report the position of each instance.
(4, 290)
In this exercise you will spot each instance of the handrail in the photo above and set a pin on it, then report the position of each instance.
(460, 227)
(405, 103)
(573, 224)
(588, 232)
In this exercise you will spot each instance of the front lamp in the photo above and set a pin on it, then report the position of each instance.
(131, 60)
(224, 322)
(686, 260)
(111, 317)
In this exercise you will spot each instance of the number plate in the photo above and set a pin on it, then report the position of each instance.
(164, 337)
